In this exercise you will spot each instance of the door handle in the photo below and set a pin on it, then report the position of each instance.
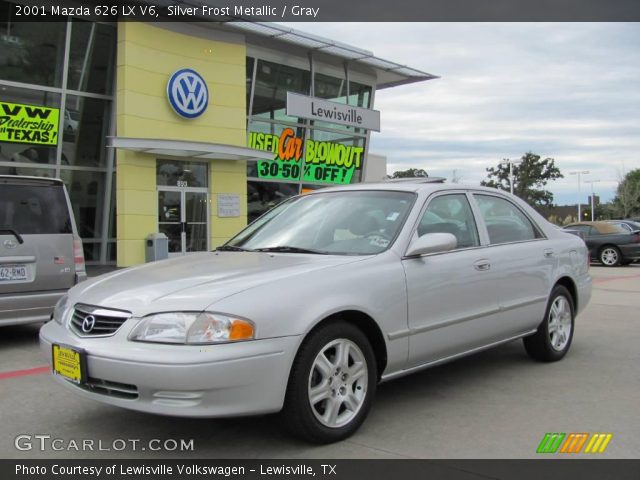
(548, 253)
(482, 265)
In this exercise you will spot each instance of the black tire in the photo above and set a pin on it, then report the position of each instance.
(300, 416)
(610, 256)
(540, 346)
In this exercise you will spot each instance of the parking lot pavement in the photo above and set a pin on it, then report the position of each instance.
(497, 404)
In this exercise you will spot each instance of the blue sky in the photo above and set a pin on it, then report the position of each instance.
(570, 91)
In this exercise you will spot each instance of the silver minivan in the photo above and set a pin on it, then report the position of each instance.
(40, 251)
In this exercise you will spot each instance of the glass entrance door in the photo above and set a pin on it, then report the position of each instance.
(183, 218)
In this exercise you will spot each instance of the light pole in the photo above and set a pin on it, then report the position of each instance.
(593, 202)
(579, 173)
(511, 164)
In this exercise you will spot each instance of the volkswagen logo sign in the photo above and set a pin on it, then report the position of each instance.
(88, 323)
(10, 244)
(187, 93)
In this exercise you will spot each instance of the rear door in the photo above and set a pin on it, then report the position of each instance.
(523, 259)
(36, 237)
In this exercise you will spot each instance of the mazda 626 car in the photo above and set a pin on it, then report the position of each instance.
(312, 305)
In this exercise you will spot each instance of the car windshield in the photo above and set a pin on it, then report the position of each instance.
(337, 223)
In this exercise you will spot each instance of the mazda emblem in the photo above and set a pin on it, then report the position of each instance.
(88, 323)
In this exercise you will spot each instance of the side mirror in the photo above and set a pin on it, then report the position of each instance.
(432, 243)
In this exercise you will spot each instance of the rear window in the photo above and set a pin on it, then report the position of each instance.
(34, 209)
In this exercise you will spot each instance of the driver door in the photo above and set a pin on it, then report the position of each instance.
(451, 295)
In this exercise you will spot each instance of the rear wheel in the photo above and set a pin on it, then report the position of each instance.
(610, 256)
(552, 340)
(332, 383)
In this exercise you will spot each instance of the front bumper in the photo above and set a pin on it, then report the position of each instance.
(191, 381)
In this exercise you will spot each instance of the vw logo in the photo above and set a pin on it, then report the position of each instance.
(88, 323)
(10, 244)
(188, 93)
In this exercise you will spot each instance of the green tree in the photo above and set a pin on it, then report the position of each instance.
(627, 198)
(410, 172)
(530, 176)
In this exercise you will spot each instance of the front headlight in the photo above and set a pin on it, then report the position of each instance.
(60, 309)
(192, 328)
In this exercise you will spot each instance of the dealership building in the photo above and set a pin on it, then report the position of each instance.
(189, 129)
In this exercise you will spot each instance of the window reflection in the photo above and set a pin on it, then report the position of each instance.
(331, 88)
(273, 81)
(359, 95)
(262, 196)
(31, 52)
(91, 55)
(85, 128)
(174, 173)
(86, 191)
(250, 62)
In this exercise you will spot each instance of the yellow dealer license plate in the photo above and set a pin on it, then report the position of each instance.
(69, 363)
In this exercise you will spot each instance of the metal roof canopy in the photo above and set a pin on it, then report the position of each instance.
(390, 73)
(181, 148)
(396, 73)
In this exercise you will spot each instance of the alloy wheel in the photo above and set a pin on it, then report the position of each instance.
(559, 323)
(609, 256)
(338, 383)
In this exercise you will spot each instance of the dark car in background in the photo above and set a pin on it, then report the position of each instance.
(40, 251)
(608, 243)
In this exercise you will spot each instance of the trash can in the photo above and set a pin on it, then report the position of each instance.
(156, 247)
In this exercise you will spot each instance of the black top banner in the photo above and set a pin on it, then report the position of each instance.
(329, 10)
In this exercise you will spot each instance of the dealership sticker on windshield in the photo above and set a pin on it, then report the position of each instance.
(378, 241)
(68, 362)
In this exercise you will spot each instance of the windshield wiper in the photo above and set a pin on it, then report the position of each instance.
(231, 248)
(287, 249)
(14, 233)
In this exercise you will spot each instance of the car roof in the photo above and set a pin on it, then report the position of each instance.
(409, 185)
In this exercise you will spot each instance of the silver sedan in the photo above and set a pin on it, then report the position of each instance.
(312, 305)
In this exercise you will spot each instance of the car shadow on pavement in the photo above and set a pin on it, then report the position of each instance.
(264, 436)
(19, 336)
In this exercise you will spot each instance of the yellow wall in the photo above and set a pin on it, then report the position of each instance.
(147, 56)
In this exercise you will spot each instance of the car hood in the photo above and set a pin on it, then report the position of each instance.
(196, 281)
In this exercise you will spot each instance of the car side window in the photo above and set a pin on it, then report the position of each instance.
(586, 229)
(451, 214)
(505, 222)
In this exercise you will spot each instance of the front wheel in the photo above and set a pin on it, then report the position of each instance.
(332, 383)
(553, 338)
(610, 256)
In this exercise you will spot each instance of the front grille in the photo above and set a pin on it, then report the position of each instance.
(112, 389)
(89, 321)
